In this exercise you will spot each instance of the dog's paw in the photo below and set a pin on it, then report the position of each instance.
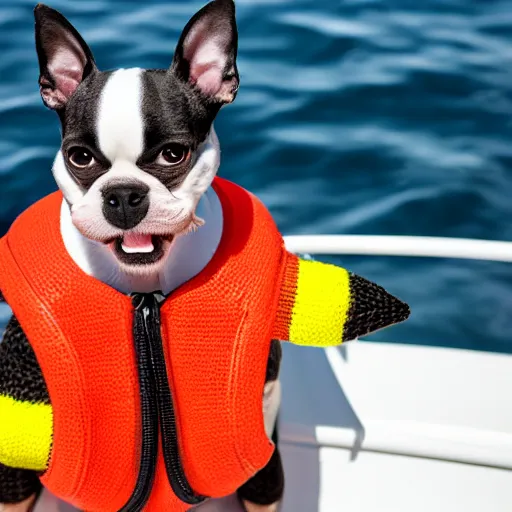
(252, 507)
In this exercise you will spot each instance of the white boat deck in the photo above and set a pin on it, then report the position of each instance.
(416, 429)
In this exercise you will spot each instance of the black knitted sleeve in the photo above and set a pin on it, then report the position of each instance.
(20, 378)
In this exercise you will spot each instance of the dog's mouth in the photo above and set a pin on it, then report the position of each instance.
(138, 249)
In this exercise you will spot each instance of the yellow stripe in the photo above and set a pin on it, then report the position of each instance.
(25, 434)
(321, 304)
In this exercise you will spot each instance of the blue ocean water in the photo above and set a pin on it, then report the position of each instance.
(353, 116)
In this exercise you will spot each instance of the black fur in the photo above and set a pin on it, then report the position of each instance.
(173, 112)
(267, 486)
(78, 121)
(78, 115)
(274, 361)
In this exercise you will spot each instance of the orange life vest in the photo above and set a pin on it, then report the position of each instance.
(216, 333)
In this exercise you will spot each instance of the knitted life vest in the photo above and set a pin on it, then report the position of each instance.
(216, 336)
(158, 405)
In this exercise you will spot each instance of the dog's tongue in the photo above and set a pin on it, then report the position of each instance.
(137, 243)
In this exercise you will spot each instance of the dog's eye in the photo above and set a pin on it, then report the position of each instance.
(173, 154)
(80, 157)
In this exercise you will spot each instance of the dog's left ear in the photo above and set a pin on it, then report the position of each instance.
(65, 60)
(206, 53)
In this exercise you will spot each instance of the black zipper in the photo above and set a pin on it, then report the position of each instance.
(173, 464)
(149, 411)
(156, 407)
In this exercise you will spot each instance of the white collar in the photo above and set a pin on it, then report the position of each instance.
(189, 253)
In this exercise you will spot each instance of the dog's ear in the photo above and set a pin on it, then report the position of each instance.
(206, 53)
(64, 57)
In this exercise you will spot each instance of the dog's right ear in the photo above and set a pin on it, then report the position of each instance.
(64, 57)
(206, 53)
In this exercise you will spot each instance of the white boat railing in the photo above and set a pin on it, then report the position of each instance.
(454, 443)
(422, 246)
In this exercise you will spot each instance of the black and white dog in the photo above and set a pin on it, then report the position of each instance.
(138, 156)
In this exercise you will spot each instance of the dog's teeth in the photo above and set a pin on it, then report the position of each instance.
(134, 250)
(134, 243)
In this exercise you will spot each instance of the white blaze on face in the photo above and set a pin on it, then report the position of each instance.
(119, 132)
(120, 125)
(120, 137)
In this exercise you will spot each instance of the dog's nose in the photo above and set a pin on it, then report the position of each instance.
(124, 206)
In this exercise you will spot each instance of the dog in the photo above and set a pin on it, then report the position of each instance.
(138, 156)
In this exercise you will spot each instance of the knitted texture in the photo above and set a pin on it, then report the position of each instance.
(17, 484)
(217, 364)
(26, 426)
(322, 305)
(26, 434)
(20, 379)
(216, 333)
(372, 308)
(85, 354)
(287, 297)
